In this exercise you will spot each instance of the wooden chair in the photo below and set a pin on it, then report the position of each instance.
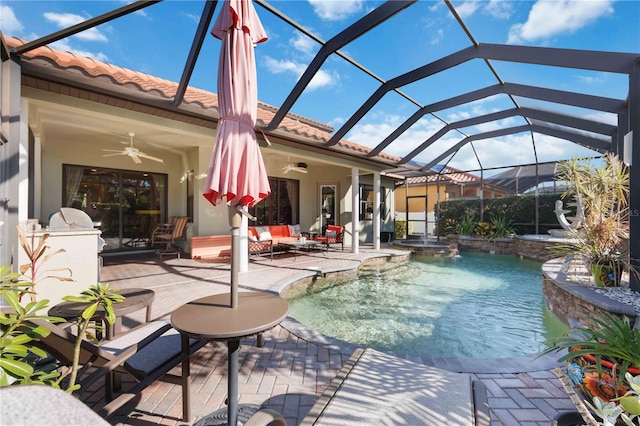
(147, 353)
(168, 234)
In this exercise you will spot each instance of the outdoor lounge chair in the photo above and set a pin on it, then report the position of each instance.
(168, 234)
(147, 353)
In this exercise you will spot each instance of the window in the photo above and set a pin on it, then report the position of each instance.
(282, 206)
(328, 214)
(366, 202)
(125, 205)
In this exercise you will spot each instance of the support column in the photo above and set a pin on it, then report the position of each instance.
(355, 210)
(376, 210)
(634, 177)
(11, 160)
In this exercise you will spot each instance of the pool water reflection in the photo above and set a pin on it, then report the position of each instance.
(476, 306)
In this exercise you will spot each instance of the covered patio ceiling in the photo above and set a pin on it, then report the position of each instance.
(544, 113)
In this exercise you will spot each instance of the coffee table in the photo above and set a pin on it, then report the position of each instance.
(213, 318)
(300, 245)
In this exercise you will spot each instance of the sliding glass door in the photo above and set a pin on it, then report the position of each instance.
(125, 205)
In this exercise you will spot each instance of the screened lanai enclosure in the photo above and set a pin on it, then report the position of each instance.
(494, 106)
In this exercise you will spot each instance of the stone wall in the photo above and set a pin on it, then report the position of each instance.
(575, 302)
(535, 247)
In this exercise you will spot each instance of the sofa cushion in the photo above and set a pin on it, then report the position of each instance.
(264, 233)
(294, 230)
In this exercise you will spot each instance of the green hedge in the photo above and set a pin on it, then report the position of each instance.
(518, 210)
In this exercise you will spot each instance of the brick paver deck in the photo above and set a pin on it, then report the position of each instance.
(295, 364)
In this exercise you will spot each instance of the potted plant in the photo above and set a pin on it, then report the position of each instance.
(602, 191)
(598, 357)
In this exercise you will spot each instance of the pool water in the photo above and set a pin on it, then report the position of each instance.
(475, 306)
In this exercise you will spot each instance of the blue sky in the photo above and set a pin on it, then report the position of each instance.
(157, 40)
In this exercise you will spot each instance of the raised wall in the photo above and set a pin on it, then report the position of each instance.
(575, 301)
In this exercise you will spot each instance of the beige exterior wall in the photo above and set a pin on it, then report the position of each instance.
(88, 132)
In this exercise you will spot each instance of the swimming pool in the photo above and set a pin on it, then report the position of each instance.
(475, 306)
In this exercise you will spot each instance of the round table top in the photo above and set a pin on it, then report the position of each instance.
(134, 300)
(212, 317)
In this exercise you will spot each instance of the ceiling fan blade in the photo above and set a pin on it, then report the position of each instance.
(113, 155)
(119, 151)
(300, 169)
(135, 159)
(148, 157)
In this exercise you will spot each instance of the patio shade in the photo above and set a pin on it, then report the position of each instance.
(236, 171)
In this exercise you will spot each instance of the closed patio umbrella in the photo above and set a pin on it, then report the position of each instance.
(236, 171)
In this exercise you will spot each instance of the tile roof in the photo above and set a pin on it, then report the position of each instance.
(314, 132)
(449, 174)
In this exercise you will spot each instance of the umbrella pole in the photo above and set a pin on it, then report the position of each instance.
(235, 221)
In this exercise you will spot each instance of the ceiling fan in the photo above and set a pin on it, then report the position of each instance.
(132, 152)
(298, 167)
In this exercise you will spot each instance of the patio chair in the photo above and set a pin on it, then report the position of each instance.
(333, 235)
(147, 353)
(168, 234)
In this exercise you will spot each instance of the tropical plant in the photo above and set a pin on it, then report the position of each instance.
(33, 271)
(502, 227)
(484, 229)
(20, 357)
(611, 338)
(466, 226)
(603, 192)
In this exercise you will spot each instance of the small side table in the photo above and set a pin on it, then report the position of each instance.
(135, 299)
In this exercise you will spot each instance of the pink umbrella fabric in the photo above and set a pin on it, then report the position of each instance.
(236, 171)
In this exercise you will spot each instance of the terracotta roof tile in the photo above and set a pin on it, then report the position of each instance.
(166, 89)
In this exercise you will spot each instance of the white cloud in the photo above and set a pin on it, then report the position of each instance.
(549, 18)
(331, 10)
(437, 37)
(65, 20)
(499, 9)
(10, 23)
(304, 44)
(467, 8)
(320, 80)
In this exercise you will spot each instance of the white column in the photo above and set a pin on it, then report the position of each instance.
(355, 210)
(11, 157)
(376, 210)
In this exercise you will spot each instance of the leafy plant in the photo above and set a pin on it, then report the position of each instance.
(20, 357)
(38, 257)
(612, 338)
(603, 192)
(484, 229)
(502, 227)
(627, 407)
(467, 225)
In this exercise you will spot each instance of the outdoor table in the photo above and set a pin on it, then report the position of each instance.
(299, 245)
(212, 318)
(135, 299)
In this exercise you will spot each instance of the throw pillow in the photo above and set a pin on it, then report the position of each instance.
(294, 230)
(253, 238)
(263, 233)
(331, 234)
